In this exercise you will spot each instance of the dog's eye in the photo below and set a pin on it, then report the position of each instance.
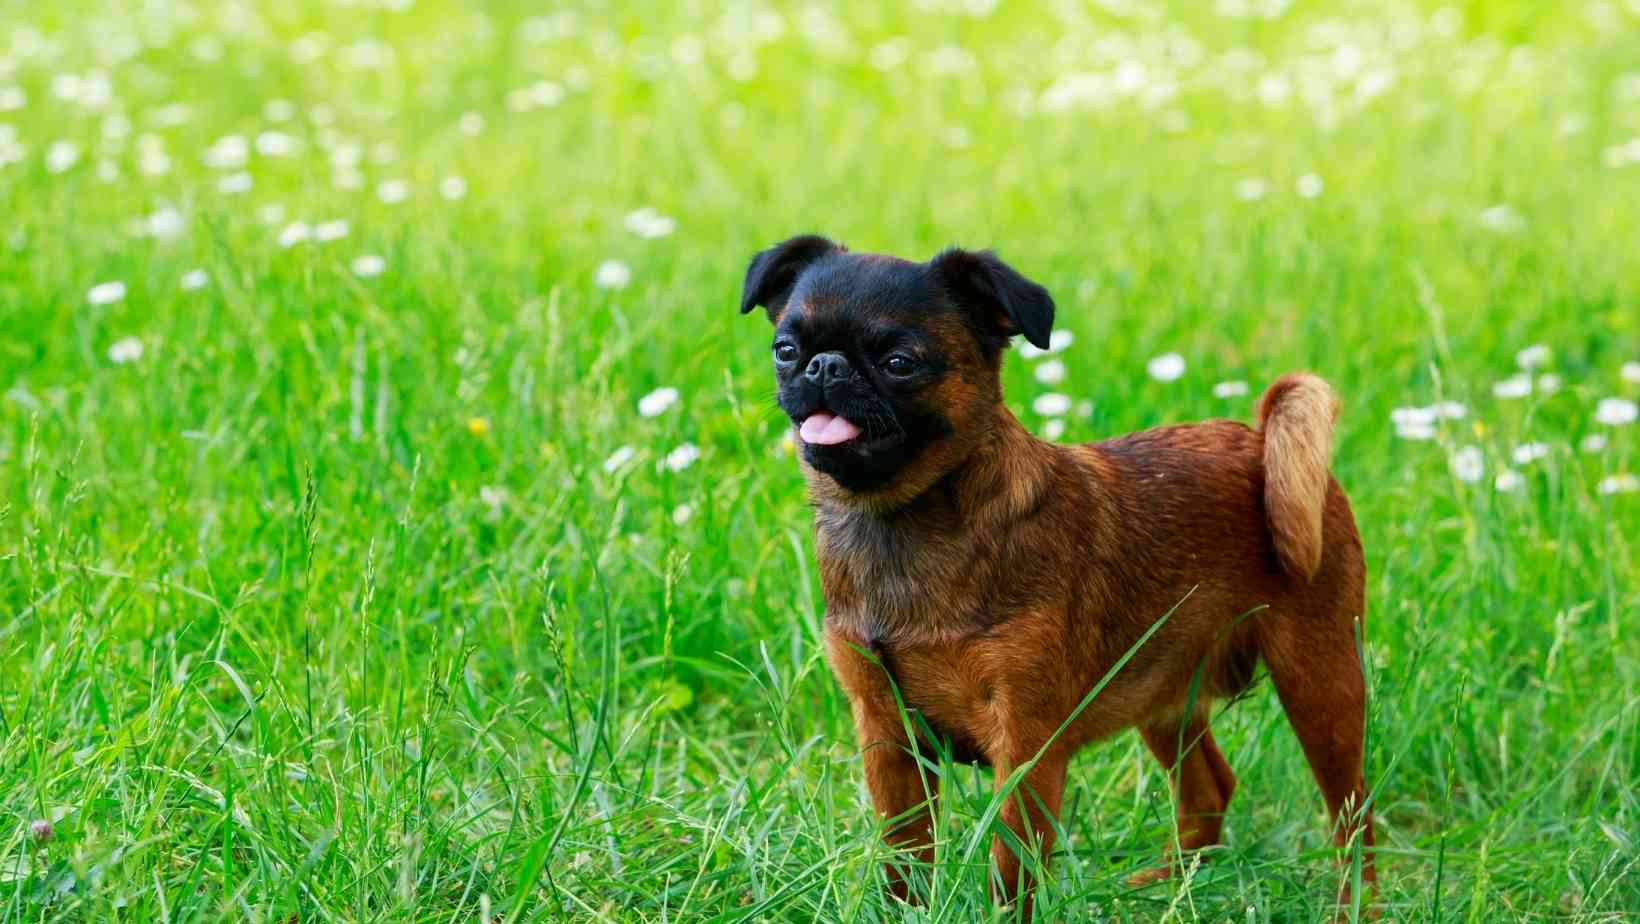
(785, 353)
(899, 364)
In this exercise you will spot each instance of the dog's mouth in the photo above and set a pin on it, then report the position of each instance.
(826, 429)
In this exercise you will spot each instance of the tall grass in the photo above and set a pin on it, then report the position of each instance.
(375, 597)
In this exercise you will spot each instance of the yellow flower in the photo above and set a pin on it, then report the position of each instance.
(1480, 428)
(478, 426)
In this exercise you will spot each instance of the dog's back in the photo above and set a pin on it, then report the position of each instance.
(1245, 530)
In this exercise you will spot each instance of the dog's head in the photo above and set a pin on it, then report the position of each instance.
(889, 369)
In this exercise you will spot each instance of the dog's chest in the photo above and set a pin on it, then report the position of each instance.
(956, 688)
(882, 578)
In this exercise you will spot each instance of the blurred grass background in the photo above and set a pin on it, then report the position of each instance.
(374, 597)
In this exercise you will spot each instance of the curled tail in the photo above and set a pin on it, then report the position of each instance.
(1296, 416)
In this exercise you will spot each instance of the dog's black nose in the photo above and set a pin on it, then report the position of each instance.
(826, 367)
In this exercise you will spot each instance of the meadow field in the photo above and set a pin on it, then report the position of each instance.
(396, 523)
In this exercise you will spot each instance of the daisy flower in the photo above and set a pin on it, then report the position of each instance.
(1616, 412)
(618, 458)
(1166, 367)
(612, 274)
(125, 350)
(657, 402)
(105, 293)
(367, 265)
(1051, 404)
(682, 457)
(1468, 464)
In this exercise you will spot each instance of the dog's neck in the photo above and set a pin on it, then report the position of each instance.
(878, 560)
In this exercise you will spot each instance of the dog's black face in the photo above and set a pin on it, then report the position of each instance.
(881, 361)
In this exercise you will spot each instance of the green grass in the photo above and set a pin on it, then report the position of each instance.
(328, 607)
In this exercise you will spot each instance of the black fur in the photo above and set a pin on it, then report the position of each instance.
(865, 308)
(770, 276)
(1005, 302)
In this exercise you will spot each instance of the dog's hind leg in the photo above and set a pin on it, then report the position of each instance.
(1318, 678)
(1202, 784)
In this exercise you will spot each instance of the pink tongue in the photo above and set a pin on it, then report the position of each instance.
(824, 429)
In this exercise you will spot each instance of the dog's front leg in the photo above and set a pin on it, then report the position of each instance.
(1030, 812)
(902, 791)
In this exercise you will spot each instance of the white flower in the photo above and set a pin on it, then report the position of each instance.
(1508, 480)
(12, 99)
(1621, 155)
(1051, 404)
(544, 94)
(333, 230)
(1468, 465)
(1594, 442)
(1084, 408)
(278, 110)
(270, 214)
(194, 279)
(470, 123)
(1166, 367)
(368, 265)
(165, 223)
(612, 274)
(1231, 389)
(1532, 357)
(889, 55)
(115, 126)
(1030, 350)
(234, 183)
(1416, 432)
(619, 457)
(1502, 219)
(125, 350)
(151, 157)
(105, 293)
(648, 223)
(1630, 372)
(682, 457)
(1621, 483)
(493, 497)
(1527, 453)
(452, 188)
(1450, 410)
(62, 155)
(1060, 340)
(276, 144)
(681, 514)
(1250, 190)
(1515, 386)
(1616, 412)
(1413, 416)
(228, 153)
(1051, 372)
(657, 402)
(392, 191)
(1548, 383)
(295, 233)
(1309, 186)
(1053, 429)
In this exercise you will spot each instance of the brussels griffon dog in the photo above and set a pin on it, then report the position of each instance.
(993, 579)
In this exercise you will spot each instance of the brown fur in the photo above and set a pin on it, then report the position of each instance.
(1297, 453)
(999, 578)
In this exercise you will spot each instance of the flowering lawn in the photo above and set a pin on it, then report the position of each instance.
(396, 523)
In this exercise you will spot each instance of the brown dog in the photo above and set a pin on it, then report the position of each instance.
(993, 579)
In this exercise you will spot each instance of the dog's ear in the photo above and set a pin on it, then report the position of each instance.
(1001, 301)
(770, 278)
